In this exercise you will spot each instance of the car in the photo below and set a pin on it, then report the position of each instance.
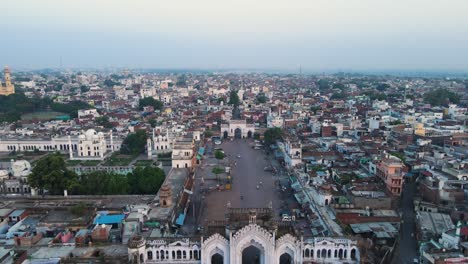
(217, 142)
(285, 218)
(257, 187)
(238, 156)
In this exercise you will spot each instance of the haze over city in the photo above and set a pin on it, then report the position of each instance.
(349, 35)
(233, 131)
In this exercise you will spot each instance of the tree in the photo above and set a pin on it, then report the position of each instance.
(134, 143)
(70, 108)
(153, 123)
(110, 83)
(234, 98)
(84, 88)
(441, 97)
(145, 180)
(103, 121)
(261, 98)
(208, 133)
(323, 84)
(271, 135)
(150, 101)
(50, 173)
(382, 87)
(338, 86)
(219, 154)
(338, 96)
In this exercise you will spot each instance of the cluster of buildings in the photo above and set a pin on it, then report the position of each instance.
(352, 149)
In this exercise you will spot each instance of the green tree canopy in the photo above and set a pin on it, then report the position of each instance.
(50, 173)
(150, 101)
(103, 121)
(145, 180)
(271, 135)
(219, 154)
(102, 183)
(134, 143)
(261, 98)
(234, 98)
(70, 108)
(441, 97)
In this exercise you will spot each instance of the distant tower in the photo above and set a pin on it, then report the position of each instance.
(8, 88)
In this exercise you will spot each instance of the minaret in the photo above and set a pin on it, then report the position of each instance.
(111, 141)
(9, 87)
(70, 149)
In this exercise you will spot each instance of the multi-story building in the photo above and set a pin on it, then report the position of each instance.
(91, 145)
(183, 154)
(391, 171)
(64, 144)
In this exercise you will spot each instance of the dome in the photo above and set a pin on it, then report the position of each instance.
(90, 133)
(21, 168)
(3, 174)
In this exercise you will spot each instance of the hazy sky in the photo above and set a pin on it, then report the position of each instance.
(271, 34)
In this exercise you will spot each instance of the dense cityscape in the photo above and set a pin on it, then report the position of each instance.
(147, 166)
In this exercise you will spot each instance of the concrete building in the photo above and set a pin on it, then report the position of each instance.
(183, 154)
(391, 171)
(247, 236)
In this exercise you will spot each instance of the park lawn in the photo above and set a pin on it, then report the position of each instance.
(91, 162)
(119, 160)
(44, 115)
(144, 163)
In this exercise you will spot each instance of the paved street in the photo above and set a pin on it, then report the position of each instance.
(406, 250)
(246, 175)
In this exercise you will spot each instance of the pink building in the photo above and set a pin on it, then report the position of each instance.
(391, 170)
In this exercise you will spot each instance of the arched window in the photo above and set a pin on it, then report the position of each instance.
(323, 253)
(150, 254)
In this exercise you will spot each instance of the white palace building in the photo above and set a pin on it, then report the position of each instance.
(88, 145)
(247, 236)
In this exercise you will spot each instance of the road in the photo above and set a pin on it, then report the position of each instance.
(407, 247)
(247, 174)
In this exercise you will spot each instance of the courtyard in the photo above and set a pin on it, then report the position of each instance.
(252, 186)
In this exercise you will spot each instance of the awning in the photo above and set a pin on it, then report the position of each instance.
(180, 220)
(201, 150)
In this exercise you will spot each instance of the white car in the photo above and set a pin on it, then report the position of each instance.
(217, 142)
(238, 156)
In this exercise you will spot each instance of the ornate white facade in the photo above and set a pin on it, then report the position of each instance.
(237, 129)
(53, 144)
(217, 249)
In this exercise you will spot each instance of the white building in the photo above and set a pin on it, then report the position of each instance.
(237, 129)
(63, 144)
(91, 145)
(183, 154)
(292, 153)
(229, 248)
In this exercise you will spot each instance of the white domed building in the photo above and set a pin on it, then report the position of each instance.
(91, 146)
(20, 168)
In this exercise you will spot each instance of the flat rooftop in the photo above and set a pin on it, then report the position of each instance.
(175, 179)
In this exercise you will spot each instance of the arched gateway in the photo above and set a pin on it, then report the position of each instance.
(246, 236)
(237, 129)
